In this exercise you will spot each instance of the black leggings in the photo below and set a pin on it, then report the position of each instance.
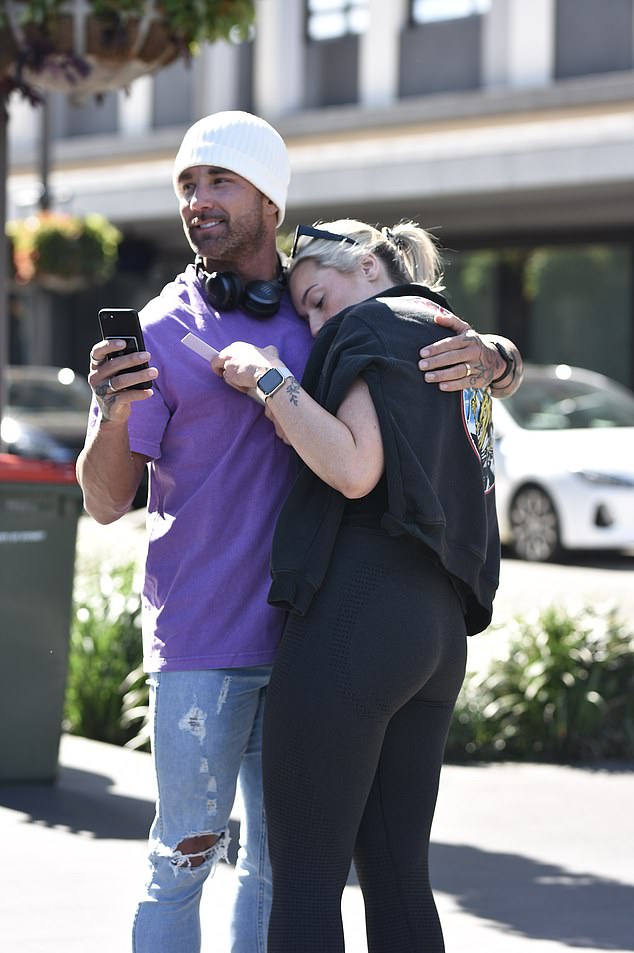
(356, 721)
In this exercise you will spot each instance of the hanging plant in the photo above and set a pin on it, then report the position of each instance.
(10, 271)
(64, 252)
(87, 47)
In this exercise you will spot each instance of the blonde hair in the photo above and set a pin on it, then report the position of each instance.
(408, 252)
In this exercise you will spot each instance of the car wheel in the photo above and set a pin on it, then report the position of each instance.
(534, 525)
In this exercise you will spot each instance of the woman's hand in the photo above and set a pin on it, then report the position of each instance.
(241, 364)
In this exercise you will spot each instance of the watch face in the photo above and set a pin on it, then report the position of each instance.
(269, 381)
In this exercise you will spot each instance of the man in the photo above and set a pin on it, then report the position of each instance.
(218, 477)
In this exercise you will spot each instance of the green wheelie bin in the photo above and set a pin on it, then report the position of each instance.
(40, 503)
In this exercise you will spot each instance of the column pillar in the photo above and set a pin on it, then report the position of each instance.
(379, 52)
(519, 43)
(216, 83)
(135, 107)
(278, 67)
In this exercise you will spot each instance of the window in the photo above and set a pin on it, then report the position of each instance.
(593, 38)
(328, 19)
(426, 11)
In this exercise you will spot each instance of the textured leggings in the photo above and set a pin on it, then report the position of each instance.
(356, 721)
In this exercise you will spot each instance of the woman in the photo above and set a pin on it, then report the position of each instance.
(386, 555)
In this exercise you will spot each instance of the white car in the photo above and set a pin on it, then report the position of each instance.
(564, 463)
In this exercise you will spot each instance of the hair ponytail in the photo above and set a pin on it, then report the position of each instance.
(409, 253)
(420, 254)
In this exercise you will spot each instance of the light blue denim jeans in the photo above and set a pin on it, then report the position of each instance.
(206, 737)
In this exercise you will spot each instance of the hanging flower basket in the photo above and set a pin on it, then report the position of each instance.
(63, 252)
(87, 47)
(10, 271)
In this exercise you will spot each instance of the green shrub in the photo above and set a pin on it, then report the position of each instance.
(105, 648)
(564, 693)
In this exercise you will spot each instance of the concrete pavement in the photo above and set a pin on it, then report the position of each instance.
(525, 858)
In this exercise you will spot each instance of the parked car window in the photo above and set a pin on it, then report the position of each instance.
(49, 395)
(46, 412)
(570, 405)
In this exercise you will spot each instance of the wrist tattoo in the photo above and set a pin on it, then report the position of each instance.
(509, 364)
(505, 379)
(292, 389)
(105, 403)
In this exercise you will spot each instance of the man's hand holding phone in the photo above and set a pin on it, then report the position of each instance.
(119, 369)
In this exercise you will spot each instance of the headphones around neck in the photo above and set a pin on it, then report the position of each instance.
(226, 291)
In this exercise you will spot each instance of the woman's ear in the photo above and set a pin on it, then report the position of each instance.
(370, 266)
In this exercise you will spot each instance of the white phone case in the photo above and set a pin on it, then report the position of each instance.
(199, 347)
(206, 351)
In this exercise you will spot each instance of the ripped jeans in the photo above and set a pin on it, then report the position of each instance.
(206, 734)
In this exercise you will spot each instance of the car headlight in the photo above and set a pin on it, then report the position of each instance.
(26, 441)
(598, 478)
(10, 430)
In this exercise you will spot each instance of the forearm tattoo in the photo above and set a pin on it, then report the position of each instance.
(292, 389)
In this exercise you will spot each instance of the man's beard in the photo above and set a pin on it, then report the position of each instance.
(232, 239)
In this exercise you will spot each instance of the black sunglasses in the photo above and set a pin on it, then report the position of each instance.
(310, 232)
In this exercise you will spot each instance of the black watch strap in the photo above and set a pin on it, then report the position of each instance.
(509, 362)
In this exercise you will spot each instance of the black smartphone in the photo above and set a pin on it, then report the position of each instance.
(124, 323)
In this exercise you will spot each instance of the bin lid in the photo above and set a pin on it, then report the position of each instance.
(15, 469)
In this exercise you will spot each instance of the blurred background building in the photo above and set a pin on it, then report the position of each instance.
(505, 126)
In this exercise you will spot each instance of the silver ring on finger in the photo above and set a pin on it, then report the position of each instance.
(467, 369)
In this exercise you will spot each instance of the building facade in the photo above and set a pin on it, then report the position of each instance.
(505, 126)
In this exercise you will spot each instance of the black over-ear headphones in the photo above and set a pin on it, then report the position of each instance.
(226, 291)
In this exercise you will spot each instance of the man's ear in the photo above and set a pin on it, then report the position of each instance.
(270, 208)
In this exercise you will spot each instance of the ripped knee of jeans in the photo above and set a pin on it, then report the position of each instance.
(200, 849)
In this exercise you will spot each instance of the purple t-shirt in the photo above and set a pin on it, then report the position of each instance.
(218, 478)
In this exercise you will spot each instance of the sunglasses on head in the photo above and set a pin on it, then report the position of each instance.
(309, 231)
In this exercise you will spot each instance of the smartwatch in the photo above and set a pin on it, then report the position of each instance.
(509, 362)
(271, 381)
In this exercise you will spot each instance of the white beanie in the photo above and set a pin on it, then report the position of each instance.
(241, 143)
